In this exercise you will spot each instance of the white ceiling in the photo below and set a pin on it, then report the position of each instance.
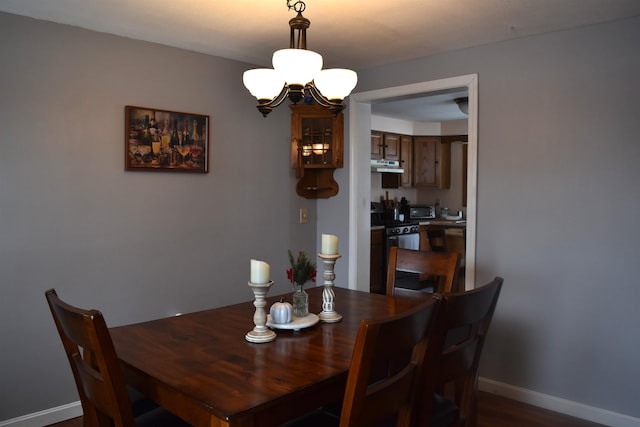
(436, 107)
(353, 34)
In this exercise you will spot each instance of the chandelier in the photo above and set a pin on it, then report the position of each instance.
(297, 74)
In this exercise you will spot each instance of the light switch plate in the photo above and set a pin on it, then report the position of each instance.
(304, 216)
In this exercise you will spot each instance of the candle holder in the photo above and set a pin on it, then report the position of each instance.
(260, 332)
(328, 314)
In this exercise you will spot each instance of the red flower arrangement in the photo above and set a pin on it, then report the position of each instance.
(302, 269)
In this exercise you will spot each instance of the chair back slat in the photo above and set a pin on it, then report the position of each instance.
(442, 266)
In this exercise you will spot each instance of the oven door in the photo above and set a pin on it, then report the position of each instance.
(403, 241)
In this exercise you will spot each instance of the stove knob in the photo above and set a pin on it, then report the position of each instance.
(405, 230)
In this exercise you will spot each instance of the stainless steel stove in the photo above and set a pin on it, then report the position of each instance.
(404, 235)
(400, 228)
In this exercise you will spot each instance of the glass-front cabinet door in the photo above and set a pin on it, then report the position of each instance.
(317, 140)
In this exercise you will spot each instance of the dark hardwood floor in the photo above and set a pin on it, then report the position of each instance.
(497, 411)
(493, 411)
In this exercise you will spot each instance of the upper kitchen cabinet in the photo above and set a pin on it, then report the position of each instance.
(393, 147)
(317, 147)
(406, 155)
(385, 146)
(431, 162)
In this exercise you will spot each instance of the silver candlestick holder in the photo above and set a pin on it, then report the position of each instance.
(328, 314)
(260, 332)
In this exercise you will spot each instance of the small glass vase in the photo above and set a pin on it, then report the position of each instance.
(300, 302)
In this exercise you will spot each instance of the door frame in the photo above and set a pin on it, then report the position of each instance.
(360, 177)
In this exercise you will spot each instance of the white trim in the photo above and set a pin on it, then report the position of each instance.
(557, 404)
(46, 417)
(359, 194)
(360, 178)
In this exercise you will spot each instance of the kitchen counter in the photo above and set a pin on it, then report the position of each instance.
(462, 223)
(439, 222)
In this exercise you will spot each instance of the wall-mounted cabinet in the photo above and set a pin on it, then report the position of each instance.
(426, 160)
(317, 147)
(392, 146)
(406, 163)
(431, 162)
(385, 145)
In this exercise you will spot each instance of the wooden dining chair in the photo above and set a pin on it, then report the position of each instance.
(429, 270)
(437, 239)
(454, 355)
(97, 372)
(385, 372)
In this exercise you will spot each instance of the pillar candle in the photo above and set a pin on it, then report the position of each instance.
(259, 271)
(329, 244)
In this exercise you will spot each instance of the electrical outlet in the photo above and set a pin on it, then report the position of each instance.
(304, 216)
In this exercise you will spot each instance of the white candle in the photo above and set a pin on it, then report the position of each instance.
(259, 271)
(329, 244)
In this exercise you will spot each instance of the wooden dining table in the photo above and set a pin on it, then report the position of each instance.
(200, 367)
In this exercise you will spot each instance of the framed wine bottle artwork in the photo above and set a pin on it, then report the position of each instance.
(165, 141)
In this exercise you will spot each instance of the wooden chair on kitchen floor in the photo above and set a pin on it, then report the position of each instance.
(96, 370)
(455, 350)
(424, 270)
(385, 372)
(437, 239)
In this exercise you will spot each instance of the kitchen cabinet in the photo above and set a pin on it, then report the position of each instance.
(406, 152)
(385, 145)
(424, 239)
(377, 147)
(431, 163)
(391, 146)
(317, 147)
(377, 263)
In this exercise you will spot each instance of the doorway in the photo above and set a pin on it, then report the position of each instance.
(360, 178)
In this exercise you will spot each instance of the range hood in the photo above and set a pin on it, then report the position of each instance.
(388, 166)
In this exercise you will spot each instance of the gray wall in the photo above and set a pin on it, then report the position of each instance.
(557, 199)
(136, 245)
(558, 202)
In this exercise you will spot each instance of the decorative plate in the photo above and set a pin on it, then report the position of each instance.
(296, 324)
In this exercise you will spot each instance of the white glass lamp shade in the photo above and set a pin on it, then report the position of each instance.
(263, 83)
(297, 66)
(336, 83)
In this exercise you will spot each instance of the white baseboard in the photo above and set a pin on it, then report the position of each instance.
(556, 404)
(46, 417)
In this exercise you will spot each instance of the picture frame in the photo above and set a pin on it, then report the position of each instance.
(165, 141)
